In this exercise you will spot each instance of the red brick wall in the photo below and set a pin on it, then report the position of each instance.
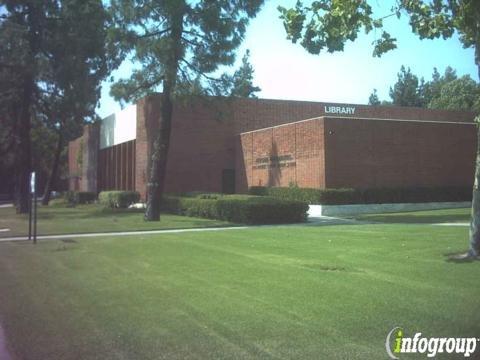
(202, 144)
(282, 155)
(205, 134)
(359, 153)
(370, 153)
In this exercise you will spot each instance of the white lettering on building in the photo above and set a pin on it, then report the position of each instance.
(347, 110)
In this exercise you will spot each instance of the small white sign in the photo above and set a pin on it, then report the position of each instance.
(32, 182)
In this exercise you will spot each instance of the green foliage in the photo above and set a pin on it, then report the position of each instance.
(432, 88)
(60, 46)
(85, 197)
(406, 91)
(79, 197)
(201, 195)
(243, 79)
(329, 24)
(384, 44)
(459, 94)
(53, 59)
(445, 91)
(373, 99)
(366, 196)
(178, 42)
(43, 140)
(118, 199)
(239, 208)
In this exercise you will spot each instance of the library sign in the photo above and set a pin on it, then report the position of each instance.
(342, 110)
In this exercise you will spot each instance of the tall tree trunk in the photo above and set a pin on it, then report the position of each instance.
(53, 172)
(161, 143)
(23, 161)
(475, 221)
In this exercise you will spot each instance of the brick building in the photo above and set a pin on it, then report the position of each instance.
(227, 145)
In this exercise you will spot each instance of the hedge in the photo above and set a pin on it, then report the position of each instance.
(118, 199)
(366, 196)
(238, 208)
(79, 197)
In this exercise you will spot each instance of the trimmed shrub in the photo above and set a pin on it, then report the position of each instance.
(70, 197)
(197, 194)
(79, 197)
(239, 208)
(85, 197)
(366, 196)
(118, 199)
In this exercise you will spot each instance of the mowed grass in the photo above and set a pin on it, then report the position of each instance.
(93, 218)
(286, 292)
(421, 217)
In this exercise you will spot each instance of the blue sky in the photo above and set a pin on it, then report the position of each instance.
(286, 71)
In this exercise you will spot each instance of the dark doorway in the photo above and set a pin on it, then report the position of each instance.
(228, 181)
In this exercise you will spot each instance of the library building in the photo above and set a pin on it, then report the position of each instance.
(229, 144)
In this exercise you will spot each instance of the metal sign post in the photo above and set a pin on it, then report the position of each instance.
(32, 218)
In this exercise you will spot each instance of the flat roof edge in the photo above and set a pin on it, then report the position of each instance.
(361, 118)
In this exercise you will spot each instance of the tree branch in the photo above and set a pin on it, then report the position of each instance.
(191, 42)
(196, 34)
(191, 66)
(155, 33)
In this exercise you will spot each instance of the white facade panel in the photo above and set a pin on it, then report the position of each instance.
(119, 127)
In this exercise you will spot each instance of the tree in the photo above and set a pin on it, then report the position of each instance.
(442, 92)
(77, 63)
(53, 59)
(459, 94)
(334, 22)
(406, 91)
(21, 38)
(174, 42)
(373, 98)
(432, 88)
(243, 79)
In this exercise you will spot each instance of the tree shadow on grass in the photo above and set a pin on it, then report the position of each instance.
(416, 219)
(106, 213)
(460, 257)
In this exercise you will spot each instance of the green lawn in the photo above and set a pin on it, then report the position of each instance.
(421, 217)
(287, 292)
(92, 218)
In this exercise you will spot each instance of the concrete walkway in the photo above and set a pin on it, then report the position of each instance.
(122, 233)
(312, 221)
(452, 224)
(317, 221)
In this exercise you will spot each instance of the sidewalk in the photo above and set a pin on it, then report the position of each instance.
(324, 220)
(121, 233)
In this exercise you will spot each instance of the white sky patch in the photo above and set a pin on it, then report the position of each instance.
(119, 127)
